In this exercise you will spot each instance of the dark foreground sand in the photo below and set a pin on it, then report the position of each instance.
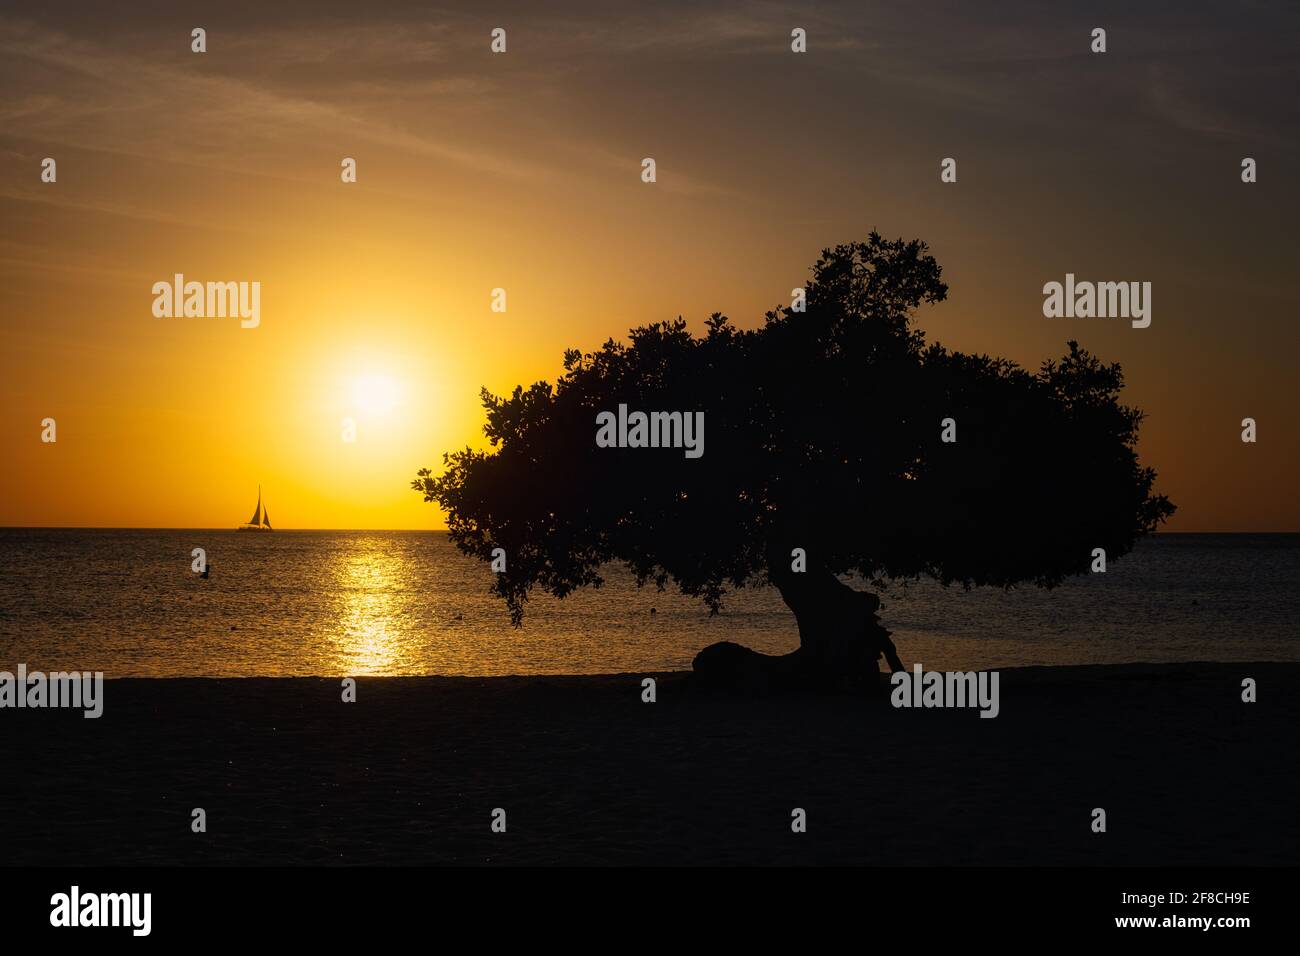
(587, 773)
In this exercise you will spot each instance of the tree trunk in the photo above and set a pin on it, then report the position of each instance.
(840, 637)
(840, 640)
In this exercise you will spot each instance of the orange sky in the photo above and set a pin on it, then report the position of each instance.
(521, 171)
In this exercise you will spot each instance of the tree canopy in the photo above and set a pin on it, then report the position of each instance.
(824, 431)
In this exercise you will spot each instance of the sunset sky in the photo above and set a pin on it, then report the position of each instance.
(522, 171)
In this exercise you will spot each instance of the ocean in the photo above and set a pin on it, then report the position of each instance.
(407, 603)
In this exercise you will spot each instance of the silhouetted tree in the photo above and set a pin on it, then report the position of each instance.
(823, 432)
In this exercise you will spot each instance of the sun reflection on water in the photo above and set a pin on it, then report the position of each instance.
(369, 583)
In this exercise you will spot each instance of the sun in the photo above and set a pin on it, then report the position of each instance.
(376, 394)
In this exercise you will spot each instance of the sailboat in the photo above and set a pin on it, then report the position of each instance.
(261, 520)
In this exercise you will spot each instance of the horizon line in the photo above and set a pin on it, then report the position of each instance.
(17, 527)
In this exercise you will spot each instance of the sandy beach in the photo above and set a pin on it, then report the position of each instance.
(589, 774)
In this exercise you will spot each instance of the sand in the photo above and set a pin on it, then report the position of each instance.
(588, 774)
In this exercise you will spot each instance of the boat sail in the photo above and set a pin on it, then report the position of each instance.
(261, 520)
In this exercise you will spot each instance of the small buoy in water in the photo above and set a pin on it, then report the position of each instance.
(653, 611)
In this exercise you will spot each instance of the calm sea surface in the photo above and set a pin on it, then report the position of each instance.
(338, 603)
